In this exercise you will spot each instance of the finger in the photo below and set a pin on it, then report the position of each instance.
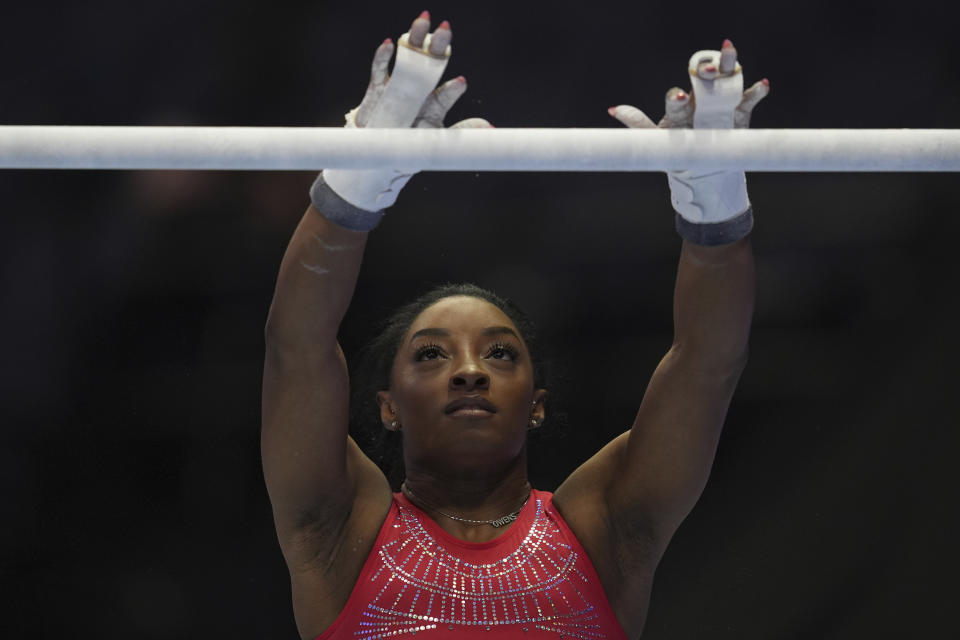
(678, 109)
(472, 123)
(435, 107)
(381, 62)
(728, 57)
(632, 117)
(419, 29)
(449, 92)
(751, 97)
(378, 80)
(440, 39)
(708, 70)
(754, 94)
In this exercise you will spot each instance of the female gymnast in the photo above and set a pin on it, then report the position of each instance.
(467, 548)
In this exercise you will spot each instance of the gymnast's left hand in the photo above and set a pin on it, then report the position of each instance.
(720, 71)
(716, 101)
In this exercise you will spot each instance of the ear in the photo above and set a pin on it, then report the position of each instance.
(537, 412)
(388, 414)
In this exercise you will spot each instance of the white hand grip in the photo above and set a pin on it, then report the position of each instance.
(716, 99)
(415, 74)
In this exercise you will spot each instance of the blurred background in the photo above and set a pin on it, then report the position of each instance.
(133, 304)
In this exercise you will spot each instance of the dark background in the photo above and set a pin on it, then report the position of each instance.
(131, 497)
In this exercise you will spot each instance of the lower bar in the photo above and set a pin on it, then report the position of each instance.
(314, 148)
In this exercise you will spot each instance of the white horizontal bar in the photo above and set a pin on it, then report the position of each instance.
(313, 148)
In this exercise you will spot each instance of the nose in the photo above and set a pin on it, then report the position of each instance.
(469, 377)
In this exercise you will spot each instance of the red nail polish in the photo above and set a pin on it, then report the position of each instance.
(612, 110)
(444, 25)
(726, 44)
(710, 69)
(460, 79)
(387, 41)
(681, 96)
(424, 16)
(765, 82)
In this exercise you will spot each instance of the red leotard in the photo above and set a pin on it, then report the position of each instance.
(534, 581)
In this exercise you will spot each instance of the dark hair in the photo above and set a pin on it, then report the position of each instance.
(373, 364)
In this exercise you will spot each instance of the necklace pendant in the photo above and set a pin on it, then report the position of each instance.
(499, 522)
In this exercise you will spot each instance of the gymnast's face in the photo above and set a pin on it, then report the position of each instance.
(461, 388)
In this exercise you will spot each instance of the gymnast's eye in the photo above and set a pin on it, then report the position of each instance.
(503, 351)
(428, 352)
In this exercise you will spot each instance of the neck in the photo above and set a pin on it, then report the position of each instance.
(482, 496)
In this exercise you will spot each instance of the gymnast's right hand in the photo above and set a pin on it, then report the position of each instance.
(355, 199)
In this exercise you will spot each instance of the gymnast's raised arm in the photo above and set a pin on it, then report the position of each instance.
(313, 469)
(651, 476)
(674, 437)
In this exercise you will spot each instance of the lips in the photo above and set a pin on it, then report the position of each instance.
(470, 402)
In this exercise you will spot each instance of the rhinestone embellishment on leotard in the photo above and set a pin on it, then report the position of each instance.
(425, 587)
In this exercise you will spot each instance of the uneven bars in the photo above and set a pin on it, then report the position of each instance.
(314, 148)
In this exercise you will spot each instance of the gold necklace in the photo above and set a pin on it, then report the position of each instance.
(496, 522)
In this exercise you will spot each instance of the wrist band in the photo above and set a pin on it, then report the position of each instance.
(340, 212)
(714, 234)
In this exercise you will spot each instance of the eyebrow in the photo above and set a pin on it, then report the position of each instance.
(489, 331)
(429, 332)
(494, 331)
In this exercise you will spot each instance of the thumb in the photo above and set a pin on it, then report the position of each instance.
(632, 117)
(472, 123)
